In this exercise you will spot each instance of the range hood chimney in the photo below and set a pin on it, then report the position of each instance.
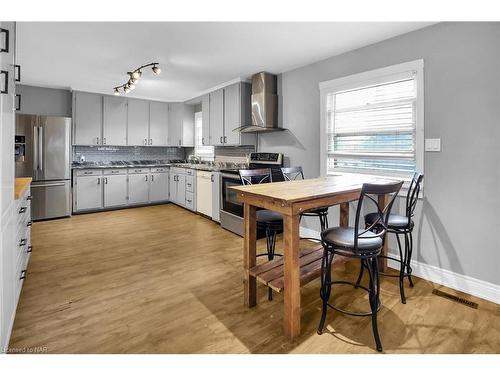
(264, 104)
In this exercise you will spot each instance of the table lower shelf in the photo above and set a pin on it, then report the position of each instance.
(271, 273)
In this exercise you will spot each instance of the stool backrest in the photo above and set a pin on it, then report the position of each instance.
(292, 173)
(368, 191)
(255, 176)
(413, 193)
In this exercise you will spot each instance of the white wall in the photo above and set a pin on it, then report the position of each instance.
(458, 221)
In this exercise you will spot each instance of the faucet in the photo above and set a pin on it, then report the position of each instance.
(194, 159)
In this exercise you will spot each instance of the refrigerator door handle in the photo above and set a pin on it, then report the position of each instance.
(40, 148)
(49, 185)
(35, 149)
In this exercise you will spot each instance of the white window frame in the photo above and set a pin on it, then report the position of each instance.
(203, 156)
(370, 78)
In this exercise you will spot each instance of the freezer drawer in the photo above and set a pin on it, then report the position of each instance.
(50, 199)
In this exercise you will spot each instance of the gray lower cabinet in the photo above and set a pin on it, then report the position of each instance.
(115, 190)
(89, 192)
(138, 188)
(158, 187)
(183, 187)
(177, 189)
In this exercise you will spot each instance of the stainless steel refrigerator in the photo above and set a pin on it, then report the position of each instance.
(43, 146)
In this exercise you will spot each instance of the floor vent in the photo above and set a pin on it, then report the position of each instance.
(463, 301)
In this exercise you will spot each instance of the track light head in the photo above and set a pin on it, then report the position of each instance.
(156, 70)
(117, 92)
(134, 77)
(136, 74)
(126, 89)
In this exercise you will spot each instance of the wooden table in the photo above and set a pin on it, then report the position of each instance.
(297, 268)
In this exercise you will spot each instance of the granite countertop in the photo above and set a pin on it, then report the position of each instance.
(115, 165)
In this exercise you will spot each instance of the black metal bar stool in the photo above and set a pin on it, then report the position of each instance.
(401, 225)
(296, 173)
(270, 222)
(366, 245)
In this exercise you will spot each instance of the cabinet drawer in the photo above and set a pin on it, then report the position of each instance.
(89, 172)
(108, 172)
(190, 184)
(177, 170)
(138, 170)
(190, 172)
(190, 201)
(159, 170)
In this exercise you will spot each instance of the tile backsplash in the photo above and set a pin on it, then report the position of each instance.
(127, 153)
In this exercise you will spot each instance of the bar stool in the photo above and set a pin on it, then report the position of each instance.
(296, 173)
(401, 225)
(270, 222)
(366, 245)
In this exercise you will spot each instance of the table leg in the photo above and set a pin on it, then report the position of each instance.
(249, 255)
(382, 262)
(292, 277)
(344, 214)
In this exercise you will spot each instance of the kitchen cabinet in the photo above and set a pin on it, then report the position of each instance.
(138, 188)
(181, 125)
(183, 187)
(115, 190)
(138, 122)
(89, 191)
(205, 119)
(87, 118)
(215, 196)
(158, 124)
(216, 116)
(114, 127)
(158, 188)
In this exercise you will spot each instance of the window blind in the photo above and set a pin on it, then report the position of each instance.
(373, 128)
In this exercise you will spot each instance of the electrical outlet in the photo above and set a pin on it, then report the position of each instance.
(433, 144)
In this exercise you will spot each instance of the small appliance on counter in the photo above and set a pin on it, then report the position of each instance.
(231, 211)
(42, 151)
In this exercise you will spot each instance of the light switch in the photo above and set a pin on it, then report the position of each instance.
(433, 144)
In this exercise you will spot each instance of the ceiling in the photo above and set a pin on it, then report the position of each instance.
(194, 56)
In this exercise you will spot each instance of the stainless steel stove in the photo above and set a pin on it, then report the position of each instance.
(231, 211)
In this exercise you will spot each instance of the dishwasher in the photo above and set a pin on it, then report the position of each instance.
(204, 199)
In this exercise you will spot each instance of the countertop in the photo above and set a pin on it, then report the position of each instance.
(22, 183)
(201, 167)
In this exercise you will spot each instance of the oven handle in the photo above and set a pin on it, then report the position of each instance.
(231, 176)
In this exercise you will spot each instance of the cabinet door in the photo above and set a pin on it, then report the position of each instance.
(158, 188)
(181, 190)
(172, 188)
(175, 121)
(232, 118)
(87, 118)
(137, 122)
(115, 190)
(205, 118)
(188, 125)
(138, 188)
(88, 193)
(158, 124)
(216, 117)
(114, 128)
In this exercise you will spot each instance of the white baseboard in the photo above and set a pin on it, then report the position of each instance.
(466, 284)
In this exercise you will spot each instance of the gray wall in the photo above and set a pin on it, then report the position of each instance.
(457, 223)
(44, 101)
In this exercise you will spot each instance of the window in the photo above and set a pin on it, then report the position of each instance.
(374, 122)
(204, 152)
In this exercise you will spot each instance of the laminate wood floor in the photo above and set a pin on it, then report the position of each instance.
(161, 279)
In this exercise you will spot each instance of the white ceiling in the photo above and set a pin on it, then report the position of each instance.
(194, 57)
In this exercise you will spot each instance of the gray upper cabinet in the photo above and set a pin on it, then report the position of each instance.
(216, 116)
(237, 112)
(175, 123)
(188, 126)
(158, 124)
(114, 121)
(87, 118)
(138, 122)
(205, 118)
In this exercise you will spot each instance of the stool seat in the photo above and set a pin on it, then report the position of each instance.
(394, 222)
(268, 216)
(343, 237)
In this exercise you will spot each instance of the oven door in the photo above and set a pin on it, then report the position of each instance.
(229, 201)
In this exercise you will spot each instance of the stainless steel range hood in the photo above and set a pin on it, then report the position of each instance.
(264, 104)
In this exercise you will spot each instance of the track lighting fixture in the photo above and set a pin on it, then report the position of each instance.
(134, 77)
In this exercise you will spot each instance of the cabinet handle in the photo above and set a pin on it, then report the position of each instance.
(106, 180)
(202, 140)
(5, 48)
(221, 140)
(5, 82)
(87, 172)
(145, 141)
(18, 104)
(146, 177)
(152, 178)
(97, 142)
(22, 210)
(104, 141)
(179, 142)
(29, 223)
(150, 141)
(98, 180)
(225, 139)
(23, 242)
(212, 177)
(28, 198)
(30, 249)
(17, 73)
(23, 275)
